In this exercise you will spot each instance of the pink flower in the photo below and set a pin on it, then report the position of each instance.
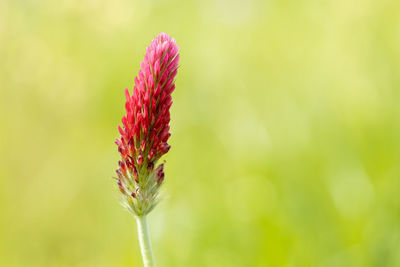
(145, 127)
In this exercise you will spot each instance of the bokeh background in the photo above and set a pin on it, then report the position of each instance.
(285, 132)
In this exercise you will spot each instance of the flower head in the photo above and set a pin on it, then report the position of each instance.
(145, 127)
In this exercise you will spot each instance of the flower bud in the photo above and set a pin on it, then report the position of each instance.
(159, 173)
(140, 160)
(150, 166)
(120, 187)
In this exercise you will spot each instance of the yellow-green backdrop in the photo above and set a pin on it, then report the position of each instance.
(285, 132)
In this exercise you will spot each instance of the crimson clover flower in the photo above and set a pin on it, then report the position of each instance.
(145, 127)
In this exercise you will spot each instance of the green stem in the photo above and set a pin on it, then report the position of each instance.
(144, 240)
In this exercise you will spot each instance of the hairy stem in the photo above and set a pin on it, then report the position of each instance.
(144, 240)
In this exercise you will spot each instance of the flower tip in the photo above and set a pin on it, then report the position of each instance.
(121, 131)
(127, 94)
(162, 37)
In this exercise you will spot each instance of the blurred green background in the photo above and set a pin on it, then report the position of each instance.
(285, 132)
